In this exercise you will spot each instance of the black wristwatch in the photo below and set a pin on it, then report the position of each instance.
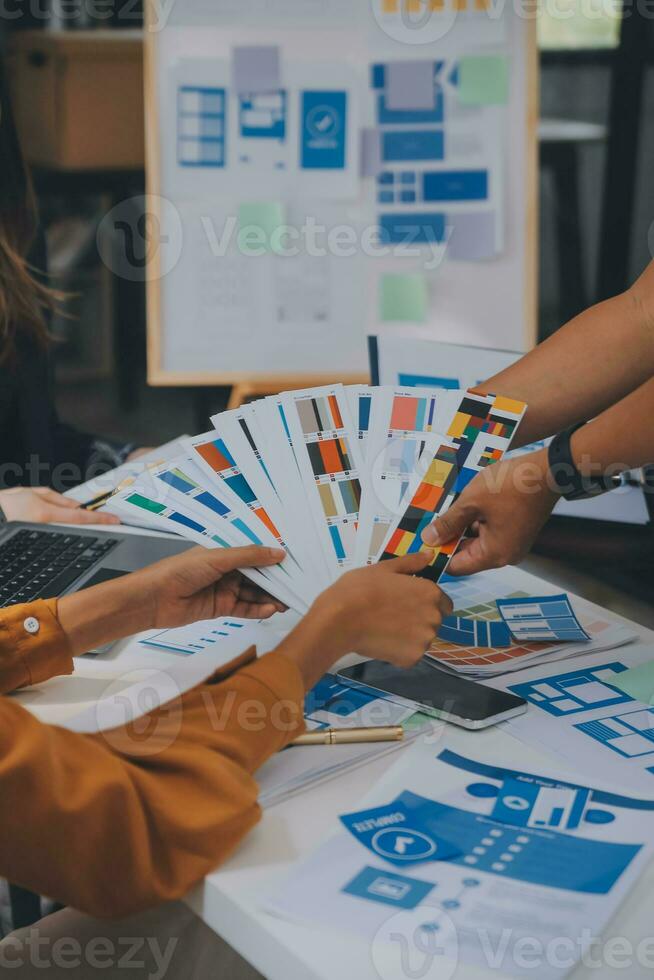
(3, 517)
(569, 481)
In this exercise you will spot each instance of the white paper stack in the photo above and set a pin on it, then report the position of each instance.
(339, 476)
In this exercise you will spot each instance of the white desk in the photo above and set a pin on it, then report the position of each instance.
(228, 900)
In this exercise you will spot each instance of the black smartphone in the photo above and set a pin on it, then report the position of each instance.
(436, 692)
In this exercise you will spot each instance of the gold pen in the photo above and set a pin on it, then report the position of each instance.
(343, 736)
(104, 497)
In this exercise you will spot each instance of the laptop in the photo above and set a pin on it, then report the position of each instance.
(40, 561)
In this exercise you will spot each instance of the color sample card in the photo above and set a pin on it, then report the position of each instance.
(403, 422)
(480, 432)
(327, 474)
(327, 454)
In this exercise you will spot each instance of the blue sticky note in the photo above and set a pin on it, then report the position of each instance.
(388, 888)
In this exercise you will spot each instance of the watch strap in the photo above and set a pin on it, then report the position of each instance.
(571, 484)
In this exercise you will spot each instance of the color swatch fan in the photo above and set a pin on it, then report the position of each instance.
(339, 477)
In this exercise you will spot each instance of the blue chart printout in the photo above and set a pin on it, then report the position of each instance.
(499, 852)
(197, 637)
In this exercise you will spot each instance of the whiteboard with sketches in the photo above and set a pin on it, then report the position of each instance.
(319, 171)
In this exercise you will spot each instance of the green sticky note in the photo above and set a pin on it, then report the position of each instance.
(404, 297)
(483, 80)
(258, 226)
(637, 683)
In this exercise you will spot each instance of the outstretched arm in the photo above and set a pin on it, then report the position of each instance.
(589, 364)
(507, 504)
(114, 823)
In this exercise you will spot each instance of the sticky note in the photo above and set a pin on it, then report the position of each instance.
(472, 236)
(638, 682)
(404, 297)
(256, 69)
(483, 80)
(370, 155)
(258, 224)
(410, 85)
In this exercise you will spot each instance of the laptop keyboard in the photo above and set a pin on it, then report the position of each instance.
(42, 564)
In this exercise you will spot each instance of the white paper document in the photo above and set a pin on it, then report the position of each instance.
(126, 705)
(471, 872)
(576, 710)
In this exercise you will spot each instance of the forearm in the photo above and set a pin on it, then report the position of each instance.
(621, 438)
(590, 363)
(104, 613)
(145, 815)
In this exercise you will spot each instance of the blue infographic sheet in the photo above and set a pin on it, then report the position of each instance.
(467, 859)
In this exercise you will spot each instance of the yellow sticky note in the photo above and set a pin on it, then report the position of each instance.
(483, 80)
(258, 226)
(404, 297)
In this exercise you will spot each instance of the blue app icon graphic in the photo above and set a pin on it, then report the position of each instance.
(388, 888)
(324, 130)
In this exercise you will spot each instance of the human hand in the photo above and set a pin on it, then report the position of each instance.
(383, 612)
(202, 583)
(44, 506)
(505, 506)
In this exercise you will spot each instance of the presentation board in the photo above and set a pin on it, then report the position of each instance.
(317, 172)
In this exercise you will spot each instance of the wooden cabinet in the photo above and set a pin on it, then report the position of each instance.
(78, 98)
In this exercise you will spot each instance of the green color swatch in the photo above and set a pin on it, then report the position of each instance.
(637, 683)
(404, 297)
(258, 224)
(484, 80)
(139, 501)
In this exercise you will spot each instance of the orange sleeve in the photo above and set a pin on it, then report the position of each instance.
(118, 822)
(29, 658)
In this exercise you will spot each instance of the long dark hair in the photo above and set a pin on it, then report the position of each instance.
(24, 300)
